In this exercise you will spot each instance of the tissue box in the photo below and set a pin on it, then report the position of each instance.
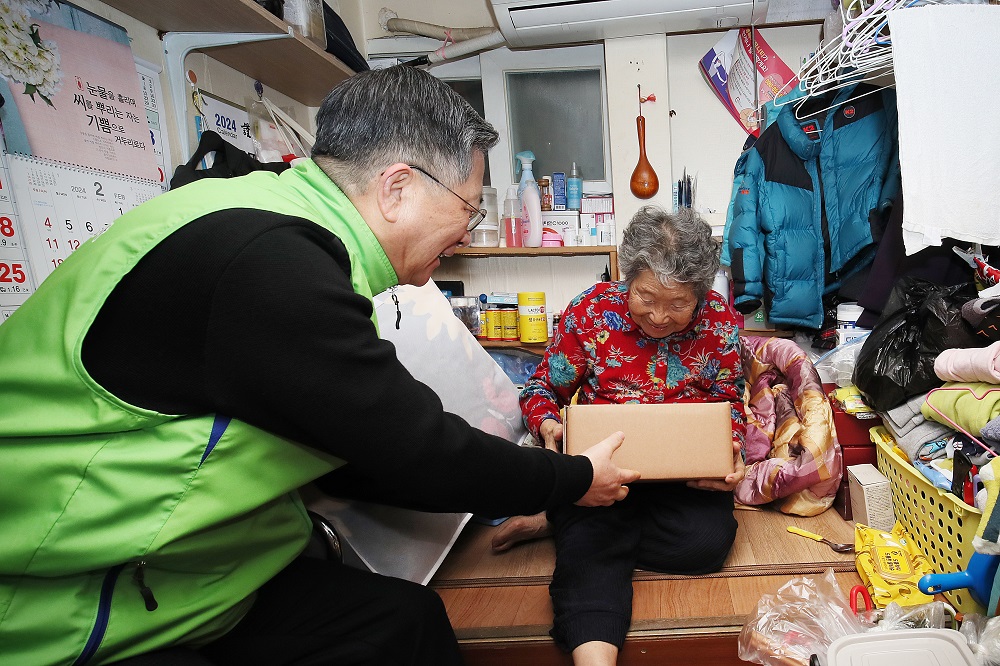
(871, 499)
(674, 442)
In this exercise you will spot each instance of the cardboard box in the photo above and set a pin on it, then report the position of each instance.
(675, 442)
(871, 499)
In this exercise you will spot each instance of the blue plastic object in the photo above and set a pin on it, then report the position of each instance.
(978, 577)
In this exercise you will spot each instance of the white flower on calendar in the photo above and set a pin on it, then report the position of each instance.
(25, 57)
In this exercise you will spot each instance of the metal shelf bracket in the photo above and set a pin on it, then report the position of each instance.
(176, 47)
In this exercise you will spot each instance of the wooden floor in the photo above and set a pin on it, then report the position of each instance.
(500, 608)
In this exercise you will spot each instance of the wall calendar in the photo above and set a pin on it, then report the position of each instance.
(47, 210)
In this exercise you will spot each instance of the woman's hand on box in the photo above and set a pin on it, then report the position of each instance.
(731, 481)
(552, 434)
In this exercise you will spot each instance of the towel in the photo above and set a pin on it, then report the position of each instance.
(991, 431)
(947, 158)
(969, 365)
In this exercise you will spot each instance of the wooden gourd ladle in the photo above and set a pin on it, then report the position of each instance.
(644, 182)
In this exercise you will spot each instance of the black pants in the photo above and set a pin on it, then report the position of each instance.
(664, 527)
(319, 613)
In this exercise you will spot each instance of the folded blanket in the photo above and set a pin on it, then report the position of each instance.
(969, 365)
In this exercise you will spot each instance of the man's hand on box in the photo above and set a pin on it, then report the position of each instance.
(731, 481)
(609, 481)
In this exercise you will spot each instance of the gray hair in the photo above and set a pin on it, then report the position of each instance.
(677, 248)
(399, 114)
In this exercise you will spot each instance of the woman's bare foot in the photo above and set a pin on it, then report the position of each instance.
(518, 529)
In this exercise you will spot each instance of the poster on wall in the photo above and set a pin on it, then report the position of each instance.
(744, 83)
(229, 121)
(76, 97)
(152, 101)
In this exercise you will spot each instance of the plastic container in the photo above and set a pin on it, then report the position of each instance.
(531, 316)
(574, 189)
(509, 321)
(466, 308)
(485, 235)
(902, 647)
(305, 18)
(531, 202)
(847, 322)
(551, 238)
(512, 218)
(941, 525)
(490, 206)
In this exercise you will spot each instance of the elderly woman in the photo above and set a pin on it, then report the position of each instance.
(660, 335)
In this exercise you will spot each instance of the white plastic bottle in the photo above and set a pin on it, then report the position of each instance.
(531, 201)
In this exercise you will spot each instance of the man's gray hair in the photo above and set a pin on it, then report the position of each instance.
(677, 248)
(400, 114)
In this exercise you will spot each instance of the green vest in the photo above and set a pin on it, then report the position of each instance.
(96, 493)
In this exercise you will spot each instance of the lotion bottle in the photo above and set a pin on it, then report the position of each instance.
(574, 189)
(531, 201)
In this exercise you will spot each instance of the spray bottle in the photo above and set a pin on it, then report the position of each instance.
(531, 201)
(574, 189)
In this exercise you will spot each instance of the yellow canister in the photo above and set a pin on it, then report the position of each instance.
(508, 315)
(494, 324)
(531, 316)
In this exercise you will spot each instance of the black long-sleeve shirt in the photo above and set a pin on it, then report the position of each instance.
(252, 314)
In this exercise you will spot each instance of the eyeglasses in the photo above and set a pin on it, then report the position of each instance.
(478, 214)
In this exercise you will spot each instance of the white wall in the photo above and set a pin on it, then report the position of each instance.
(705, 138)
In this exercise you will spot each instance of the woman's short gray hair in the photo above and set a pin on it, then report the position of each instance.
(677, 248)
(399, 114)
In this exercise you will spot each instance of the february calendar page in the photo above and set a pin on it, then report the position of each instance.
(58, 208)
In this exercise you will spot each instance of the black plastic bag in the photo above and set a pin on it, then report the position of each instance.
(229, 161)
(920, 320)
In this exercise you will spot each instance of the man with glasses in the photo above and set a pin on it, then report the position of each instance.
(169, 388)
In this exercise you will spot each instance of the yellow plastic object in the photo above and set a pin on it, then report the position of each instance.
(942, 526)
(890, 565)
(849, 399)
(801, 532)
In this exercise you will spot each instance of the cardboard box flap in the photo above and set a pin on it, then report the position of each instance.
(675, 442)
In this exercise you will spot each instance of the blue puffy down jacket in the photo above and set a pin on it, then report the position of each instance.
(804, 198)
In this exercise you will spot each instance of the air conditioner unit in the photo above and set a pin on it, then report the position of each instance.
(544, 22)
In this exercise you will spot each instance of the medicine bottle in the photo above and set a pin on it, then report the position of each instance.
(545, 186)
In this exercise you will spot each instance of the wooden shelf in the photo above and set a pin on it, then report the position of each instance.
(538, 251)
(609, 251)
(293, 66)
(533, 347)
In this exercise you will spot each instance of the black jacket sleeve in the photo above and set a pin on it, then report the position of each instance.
(253, 315)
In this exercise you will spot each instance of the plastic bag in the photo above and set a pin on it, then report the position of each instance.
(920, 320)
(983, 636)
(837, 365)
(802, 618)
(933, 615)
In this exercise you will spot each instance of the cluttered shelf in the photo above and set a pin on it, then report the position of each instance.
(611, 251)
(291, 65)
